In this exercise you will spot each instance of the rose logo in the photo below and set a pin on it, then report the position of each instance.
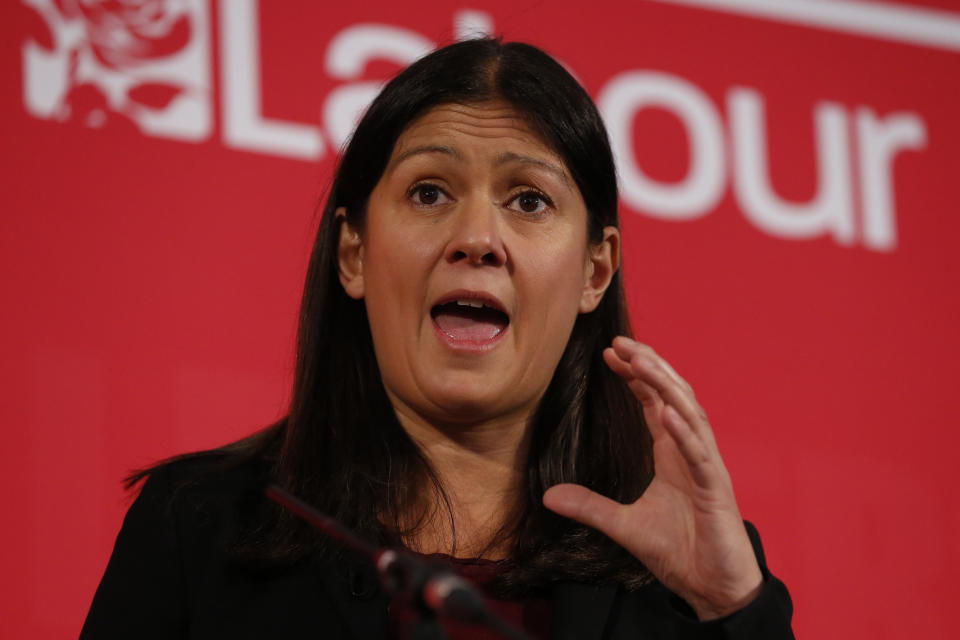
(140, 63)
(127, 33)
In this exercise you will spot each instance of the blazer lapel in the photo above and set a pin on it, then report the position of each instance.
(580, 611)
(354, 588)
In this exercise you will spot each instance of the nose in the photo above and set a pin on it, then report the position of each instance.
(476, 237)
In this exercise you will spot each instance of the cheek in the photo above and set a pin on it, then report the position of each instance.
(395, 269)
(554, 283)
(557, 275)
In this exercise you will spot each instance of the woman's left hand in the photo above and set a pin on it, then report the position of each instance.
(686, 527)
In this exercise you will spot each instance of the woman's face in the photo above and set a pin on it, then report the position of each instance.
(474, 263)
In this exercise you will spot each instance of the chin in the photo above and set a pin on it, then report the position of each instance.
(467, 400)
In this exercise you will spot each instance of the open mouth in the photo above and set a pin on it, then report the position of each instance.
(469, 320)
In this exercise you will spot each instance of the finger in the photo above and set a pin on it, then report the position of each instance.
(627, 348)
(646, 364)
(699, 457)
(587, 507)
(673, 394)
(676, 376)
(647, 395)
(650, 400)
(618, 365)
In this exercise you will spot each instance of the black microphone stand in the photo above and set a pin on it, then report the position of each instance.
(433, 588)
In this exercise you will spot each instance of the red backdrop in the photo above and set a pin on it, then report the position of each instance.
(789, 175)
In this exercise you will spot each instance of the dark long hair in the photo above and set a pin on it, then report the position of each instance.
(341, 447)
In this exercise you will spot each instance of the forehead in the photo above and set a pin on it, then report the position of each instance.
(493, 125)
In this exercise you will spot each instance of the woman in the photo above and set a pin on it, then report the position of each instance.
(465, 386)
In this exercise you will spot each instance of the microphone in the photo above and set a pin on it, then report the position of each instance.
(433, 585)
(450, 595)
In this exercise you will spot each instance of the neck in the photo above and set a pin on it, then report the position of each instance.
(481, 468)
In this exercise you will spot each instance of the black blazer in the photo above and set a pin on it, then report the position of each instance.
(169, 577)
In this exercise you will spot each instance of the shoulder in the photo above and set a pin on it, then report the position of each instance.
(200, 495)
(170, 539)
(212, 475)
(204, 475)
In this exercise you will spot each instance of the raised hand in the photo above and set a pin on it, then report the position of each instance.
(686, 527)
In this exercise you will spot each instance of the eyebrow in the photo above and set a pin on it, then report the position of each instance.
(509, 156)
(428, 148)
(503, 158)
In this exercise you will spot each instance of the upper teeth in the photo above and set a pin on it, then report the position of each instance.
(470, 303)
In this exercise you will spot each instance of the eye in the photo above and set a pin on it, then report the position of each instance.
(530, 202)
(428, 194)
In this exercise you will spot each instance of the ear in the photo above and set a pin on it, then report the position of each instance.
(349, 256)
(602, 262)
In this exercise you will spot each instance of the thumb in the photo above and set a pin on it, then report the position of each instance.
(586, 507)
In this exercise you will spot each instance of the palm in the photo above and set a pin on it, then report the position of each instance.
(686, 527)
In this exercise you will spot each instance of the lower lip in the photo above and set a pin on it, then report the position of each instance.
(469, 346)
